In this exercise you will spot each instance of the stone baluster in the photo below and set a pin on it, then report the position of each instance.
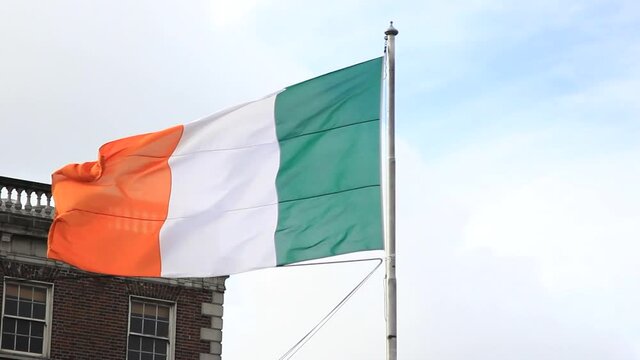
(48, 209)
(27, 204)
(9, 195)
(2, 201)
(18, 203)
(39, 209)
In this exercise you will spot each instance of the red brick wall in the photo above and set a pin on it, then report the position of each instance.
(90, 313)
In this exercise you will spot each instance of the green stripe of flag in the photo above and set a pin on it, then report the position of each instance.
(329, 179)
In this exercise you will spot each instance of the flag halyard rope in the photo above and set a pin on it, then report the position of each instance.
(297, 346)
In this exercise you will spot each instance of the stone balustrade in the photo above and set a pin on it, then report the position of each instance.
(26, 197)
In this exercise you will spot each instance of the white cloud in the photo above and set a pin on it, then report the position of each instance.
(227, 13)
(518, 263)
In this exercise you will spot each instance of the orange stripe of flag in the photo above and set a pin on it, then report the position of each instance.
(109, 212)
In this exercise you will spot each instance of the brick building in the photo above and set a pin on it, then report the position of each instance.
(53, 311)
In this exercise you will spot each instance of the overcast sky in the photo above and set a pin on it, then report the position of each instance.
(518, 156)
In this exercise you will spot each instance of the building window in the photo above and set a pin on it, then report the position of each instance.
(151, 329)
(26, 317)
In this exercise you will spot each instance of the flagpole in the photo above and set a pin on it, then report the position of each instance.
(390, 236)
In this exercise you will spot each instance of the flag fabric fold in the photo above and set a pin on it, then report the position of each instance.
(291, 177)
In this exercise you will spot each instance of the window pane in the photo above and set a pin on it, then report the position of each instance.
(11, 307)
(146, 356)
(149, 327)
(160, 357)
(163, 329)
(26, 292)
(37, 329)
(23, 327)
(8, 341)
(24, 309)
(136, 325)
(150, 311)
(22, 343)
(12, 291)
(36, 345)
(163, 312)
(134, 343)
(161, 347)
(40, 295)
(133, 355)
(9, 326)
(147, 344)
(39, 311)
(136, 308)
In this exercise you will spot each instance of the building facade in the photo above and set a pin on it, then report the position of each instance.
(51, 310)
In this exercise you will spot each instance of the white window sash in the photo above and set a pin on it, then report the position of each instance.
(172, 323)
(46, 336)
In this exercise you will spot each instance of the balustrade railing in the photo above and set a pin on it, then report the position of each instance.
(26, 197)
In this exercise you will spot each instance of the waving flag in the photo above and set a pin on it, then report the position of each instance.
(290, 177)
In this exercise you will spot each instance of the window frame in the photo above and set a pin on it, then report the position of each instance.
(48, 318)
(172, 323)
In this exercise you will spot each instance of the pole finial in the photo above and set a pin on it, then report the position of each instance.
(391, 30)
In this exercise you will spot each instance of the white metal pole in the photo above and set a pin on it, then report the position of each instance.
(390, 236)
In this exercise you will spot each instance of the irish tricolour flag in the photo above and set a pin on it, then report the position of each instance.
(290, 177)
